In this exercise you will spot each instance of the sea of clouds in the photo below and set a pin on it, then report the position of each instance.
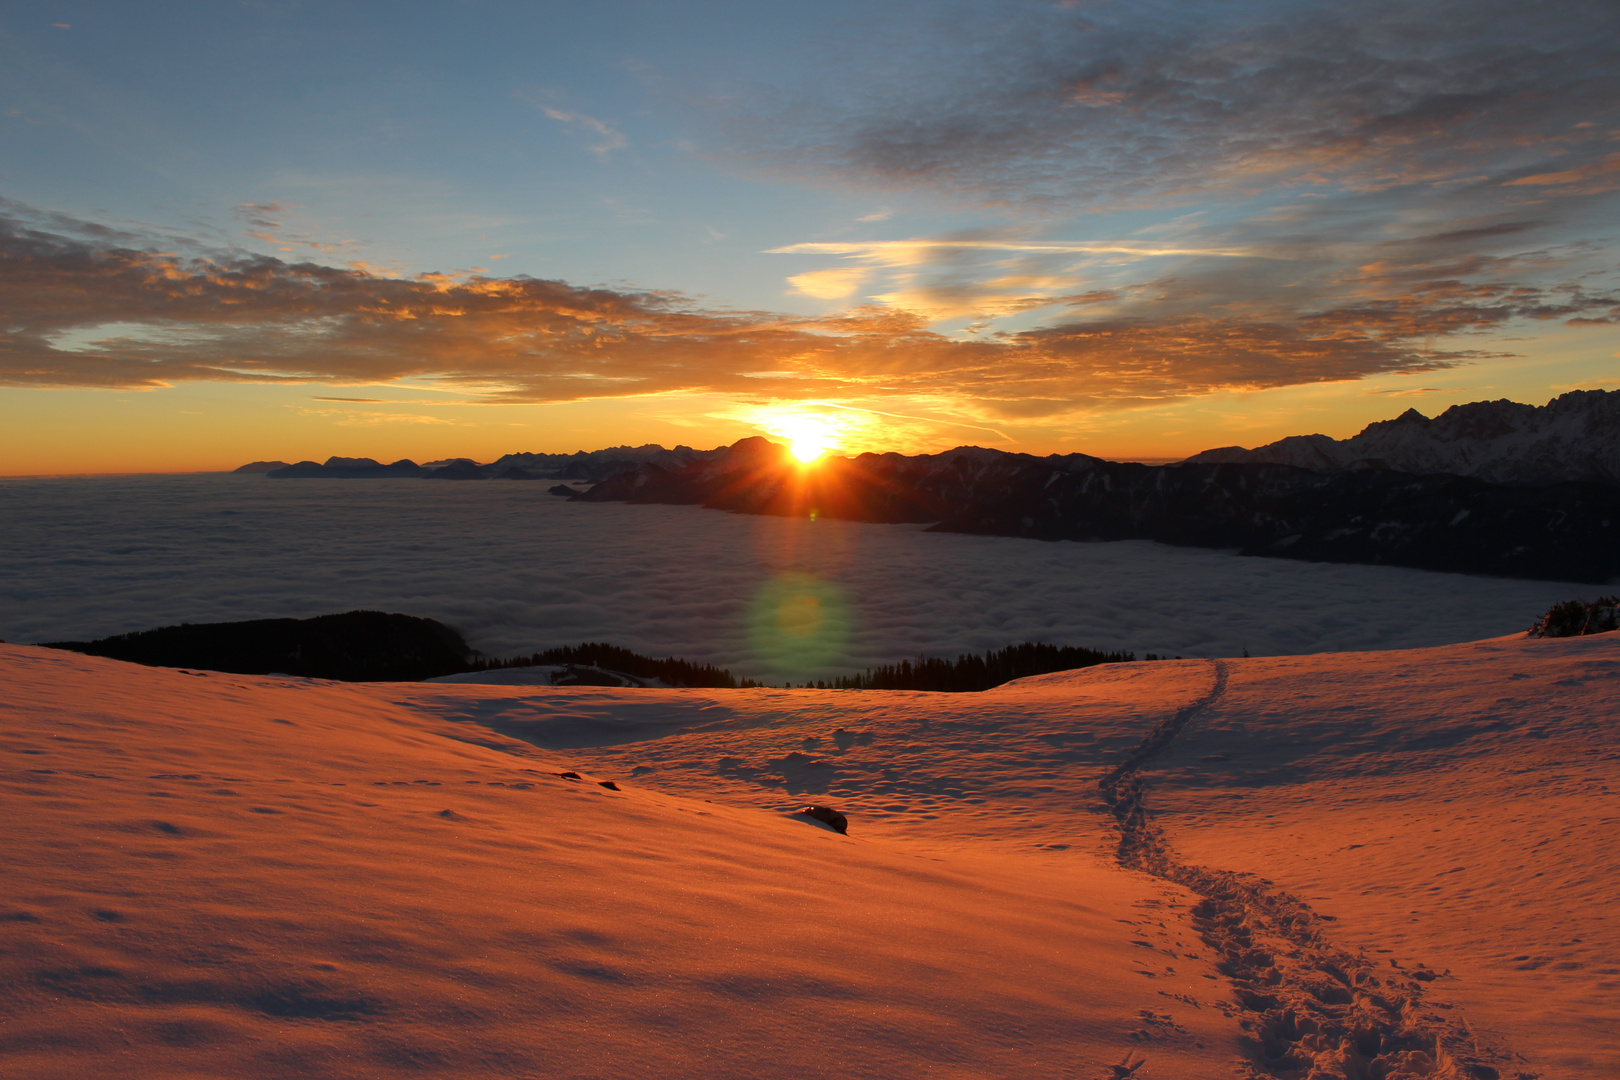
(516, 569)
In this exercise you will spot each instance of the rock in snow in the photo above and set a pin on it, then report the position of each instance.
(827, 816)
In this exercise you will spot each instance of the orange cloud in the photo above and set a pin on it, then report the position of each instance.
(87, 314)
(1592, 178)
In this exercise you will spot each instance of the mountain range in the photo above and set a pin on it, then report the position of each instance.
(588, 466)
(1491, 487)
(1575, 436)
(1567, 531)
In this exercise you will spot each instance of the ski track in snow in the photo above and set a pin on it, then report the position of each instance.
(1311, 1007)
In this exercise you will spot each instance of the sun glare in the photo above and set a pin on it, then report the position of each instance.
(807, 450)
(808, 437)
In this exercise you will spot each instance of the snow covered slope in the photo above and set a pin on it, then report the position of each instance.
(210, 876)
(1456, 806)
(1575, 436)
(223, 875)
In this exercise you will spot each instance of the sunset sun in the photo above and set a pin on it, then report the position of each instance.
(809, 437)
(809, 448)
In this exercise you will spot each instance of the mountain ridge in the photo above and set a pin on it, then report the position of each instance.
(1575, 436)
(1562, 532)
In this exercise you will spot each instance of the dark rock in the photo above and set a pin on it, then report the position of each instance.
(827, 816)
(610, 785)
(567, 776)
(561, 489)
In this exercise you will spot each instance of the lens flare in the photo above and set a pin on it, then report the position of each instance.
(799, 624)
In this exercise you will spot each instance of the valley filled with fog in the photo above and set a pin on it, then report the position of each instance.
(517, 570)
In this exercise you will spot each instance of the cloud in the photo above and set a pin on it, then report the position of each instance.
(1122, 105)
(833, 284)
(984, 277)
(608, 137)
(913, 252)
(1592, 178)
(87, 307)
(267, 222)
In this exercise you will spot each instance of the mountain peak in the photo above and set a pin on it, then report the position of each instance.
(1573, 437)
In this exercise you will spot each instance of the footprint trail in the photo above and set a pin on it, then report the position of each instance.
(1313, 1010)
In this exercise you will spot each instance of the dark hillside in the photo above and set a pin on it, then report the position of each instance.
(1561, 532)
(356, 646)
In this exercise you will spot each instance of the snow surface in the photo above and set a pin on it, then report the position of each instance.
(517, 570)
(218, 875)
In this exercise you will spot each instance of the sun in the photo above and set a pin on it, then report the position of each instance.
(808, 437)
(807, 450)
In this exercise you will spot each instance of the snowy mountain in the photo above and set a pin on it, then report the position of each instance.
(1573, 437)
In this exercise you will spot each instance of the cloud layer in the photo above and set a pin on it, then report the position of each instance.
(1114, 105)
(91, 307)
(539, 572)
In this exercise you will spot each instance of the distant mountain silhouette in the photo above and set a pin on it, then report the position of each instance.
(356, 646)
(1573, 437)
(457, 470)
(337, 468)
(586, 465)
(1564, 532)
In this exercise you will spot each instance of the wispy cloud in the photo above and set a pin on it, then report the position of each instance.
(1591, 178)
(268, 223)
(832, 284)
(608, 138)
(908, 252)
(980, 278)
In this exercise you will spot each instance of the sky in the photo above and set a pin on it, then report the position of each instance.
(234, 231)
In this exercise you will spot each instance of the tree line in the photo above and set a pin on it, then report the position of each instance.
(967, 673)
